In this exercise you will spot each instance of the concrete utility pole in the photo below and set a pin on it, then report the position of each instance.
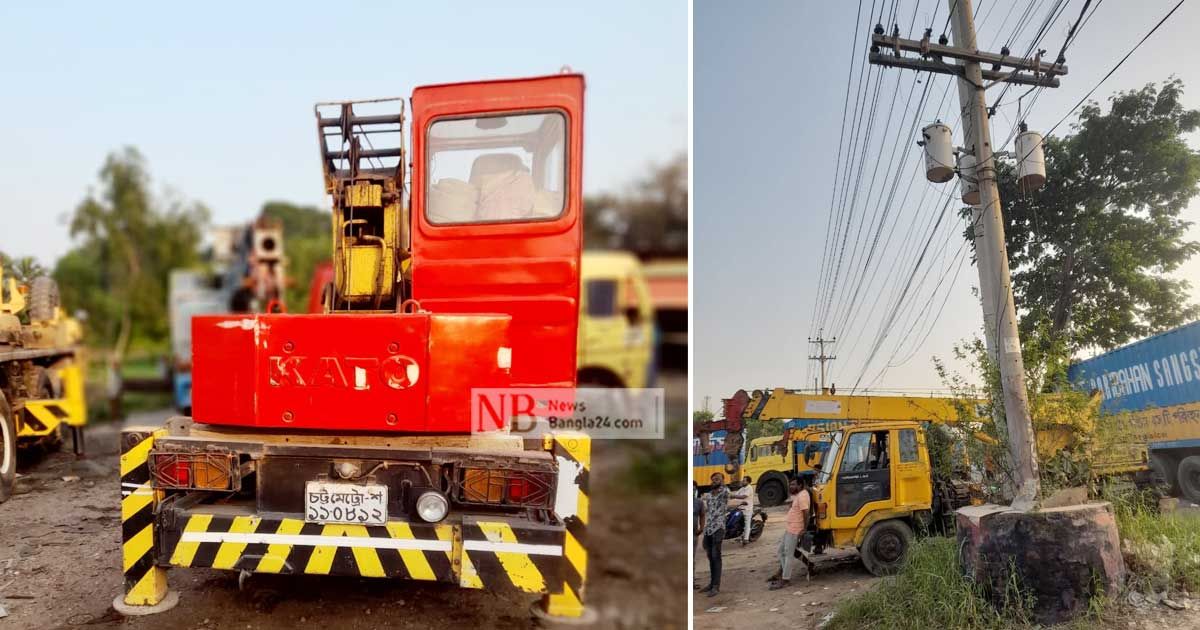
(821, 356)
(1007, 340)
(997, 543)
(995, 283)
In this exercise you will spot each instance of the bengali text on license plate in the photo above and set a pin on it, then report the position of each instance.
(326, 502)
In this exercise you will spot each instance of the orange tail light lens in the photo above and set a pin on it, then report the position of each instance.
(522, 488)
(195, 471)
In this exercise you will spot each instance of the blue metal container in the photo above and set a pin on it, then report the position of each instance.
(1158, 371)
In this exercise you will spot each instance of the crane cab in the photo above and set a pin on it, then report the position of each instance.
(468, 278)
(875, 491)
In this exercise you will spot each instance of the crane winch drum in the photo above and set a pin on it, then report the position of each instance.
(939, 153)
(1031, 164)
(967, 181)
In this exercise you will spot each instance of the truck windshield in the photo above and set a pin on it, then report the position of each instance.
(497, 168)
(830, 459)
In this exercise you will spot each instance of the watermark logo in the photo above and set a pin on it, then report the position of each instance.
(602, 413)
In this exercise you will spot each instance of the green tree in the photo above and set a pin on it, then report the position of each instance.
(307, 241)
(651, 220)
(128, 243)
(23, 269)
(1092, 251)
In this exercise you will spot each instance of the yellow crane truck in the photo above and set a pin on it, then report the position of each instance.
(41, 380)
(800, 411)
(876, 490)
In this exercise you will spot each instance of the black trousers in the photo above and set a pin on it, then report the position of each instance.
(712, 546)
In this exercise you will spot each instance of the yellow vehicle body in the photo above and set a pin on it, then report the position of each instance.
(616, 322)
(41, 380)
(48, 416)
(874, 491)
(781, 403)
(772, 461)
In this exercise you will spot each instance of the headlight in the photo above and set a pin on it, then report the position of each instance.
(432, 506)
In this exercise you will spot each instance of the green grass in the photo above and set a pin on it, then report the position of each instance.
(929, 593)
(143, 367)
(1162, 551)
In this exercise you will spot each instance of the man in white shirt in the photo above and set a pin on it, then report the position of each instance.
(743, 498)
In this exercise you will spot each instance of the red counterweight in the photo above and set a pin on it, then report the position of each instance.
(391, 372)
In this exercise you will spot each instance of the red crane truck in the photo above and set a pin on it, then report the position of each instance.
(342, 442)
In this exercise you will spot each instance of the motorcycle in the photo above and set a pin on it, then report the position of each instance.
(734, 524)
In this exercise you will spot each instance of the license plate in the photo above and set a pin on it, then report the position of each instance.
(351, 503)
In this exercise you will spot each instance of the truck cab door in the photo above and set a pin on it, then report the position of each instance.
(864, 475)
(913, 488)
(496, 213)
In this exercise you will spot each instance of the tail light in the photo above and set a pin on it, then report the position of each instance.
(519, 489)
(822, 510)
(506, 487)
(195, 471)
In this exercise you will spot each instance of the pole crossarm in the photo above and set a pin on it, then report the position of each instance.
(933, 49)
(941, 67)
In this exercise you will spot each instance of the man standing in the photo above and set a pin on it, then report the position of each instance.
(716, 508)
(796, 521)
(743, 498)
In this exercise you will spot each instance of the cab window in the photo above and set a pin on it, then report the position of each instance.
(908, 445)
(866, 451)
(601, 298)
(496, 168)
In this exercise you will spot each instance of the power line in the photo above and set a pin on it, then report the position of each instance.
(1119, 64)
(841, 147)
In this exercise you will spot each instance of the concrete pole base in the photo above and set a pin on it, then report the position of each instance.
(1060, 556)
(128, 610)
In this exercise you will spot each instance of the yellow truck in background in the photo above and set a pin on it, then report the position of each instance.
(616, 322)
(41, 379)
(774, 460)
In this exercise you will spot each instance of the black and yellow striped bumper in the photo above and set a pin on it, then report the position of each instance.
(472, 551)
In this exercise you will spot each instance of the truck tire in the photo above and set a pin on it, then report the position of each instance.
(8, 450)
(1189, 478)
(772, 492)
(1166, 472)
(46, 390)
(886, 547)
(43, 298)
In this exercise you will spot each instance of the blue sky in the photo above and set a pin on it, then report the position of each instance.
(218, 95)
(769, 83)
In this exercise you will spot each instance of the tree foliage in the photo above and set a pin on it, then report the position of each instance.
(23, 269)
(1092, 251)
(307, 241)
(651, 220)
(128, 241)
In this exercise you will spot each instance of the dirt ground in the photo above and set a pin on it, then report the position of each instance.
(60, 560)
(745, 601)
